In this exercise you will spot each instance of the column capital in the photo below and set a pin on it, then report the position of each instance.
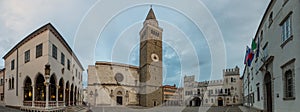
(46, 83)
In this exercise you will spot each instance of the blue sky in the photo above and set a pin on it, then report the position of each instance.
(201, 37)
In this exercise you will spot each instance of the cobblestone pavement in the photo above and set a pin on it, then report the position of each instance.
(156, 109)
(167, 109)
(6, 109)
(247, 109)
(137, 109)
(225, 109)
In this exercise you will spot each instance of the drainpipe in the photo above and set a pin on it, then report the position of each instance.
(17, 72)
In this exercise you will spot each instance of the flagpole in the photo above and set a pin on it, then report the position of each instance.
(248, 77)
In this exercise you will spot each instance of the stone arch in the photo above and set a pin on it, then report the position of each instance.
(196, 101)
(61, 89)
(37, 75)
(75, 95)
(67, 93)
(52, 88)
(40, 88)
(220, 101)
(119, 93)
(72, 94)
(27, 91)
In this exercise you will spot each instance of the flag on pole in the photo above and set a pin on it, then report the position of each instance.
(257, 51)
(253, 45)
(250, 57)
(246, 55)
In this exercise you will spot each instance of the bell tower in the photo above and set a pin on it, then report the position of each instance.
(150, 67)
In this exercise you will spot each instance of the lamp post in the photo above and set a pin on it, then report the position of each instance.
(47, 75)
(91, 96)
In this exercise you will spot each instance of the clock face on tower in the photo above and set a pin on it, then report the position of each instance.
(154, 57)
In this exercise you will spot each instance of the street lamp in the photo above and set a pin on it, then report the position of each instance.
(89, 104)
(47, 70)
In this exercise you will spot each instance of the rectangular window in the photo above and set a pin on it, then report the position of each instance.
(54, 51)
(258, 93)
(69, 64)
(62, 60)
(286, 29)
(252, 97)
(289, 84)
(12, 83)
(288, 75)
(76, 73)
(12, 64)
(39, 50)
(27, 56)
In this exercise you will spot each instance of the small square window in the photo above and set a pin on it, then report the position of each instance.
(27, 56)
(54, 51)
(62, 61)
(69, 64)
(12, 64)
(39, 50)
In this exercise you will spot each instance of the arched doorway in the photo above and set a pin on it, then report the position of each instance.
(52, 88)
(27, 91)
(67, 93)
(72, 94)
(220, 101)
(61, 90)
(268, 92)
(196, 101)
(75, 94)
(234, 99)
(119, 98)
(79, 96)
(40, 88)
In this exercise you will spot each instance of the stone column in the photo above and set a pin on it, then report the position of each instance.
(47, 94)
(57, 87)
(69, 102)
(33, 95)
(64, 96)
(73, 98)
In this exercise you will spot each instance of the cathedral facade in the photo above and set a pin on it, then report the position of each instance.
(111, 83)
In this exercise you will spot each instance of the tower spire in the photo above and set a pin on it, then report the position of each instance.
(151, 14)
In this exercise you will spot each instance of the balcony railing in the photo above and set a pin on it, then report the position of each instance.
(40, 103)
(43, 103)
(27, 103)
(52, 103)
(61, 103)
